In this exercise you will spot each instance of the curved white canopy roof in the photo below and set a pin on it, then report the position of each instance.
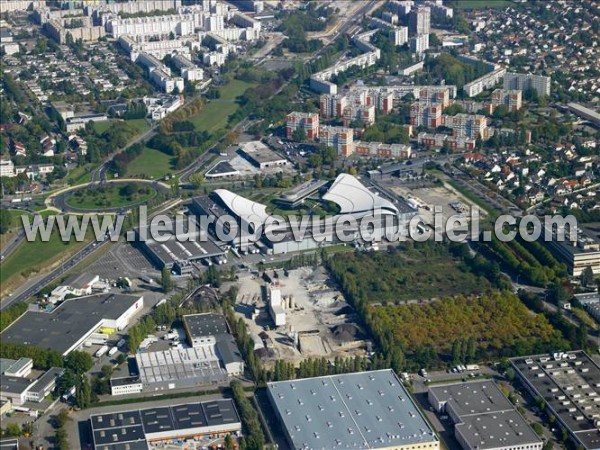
(353, 197)
(247, 210)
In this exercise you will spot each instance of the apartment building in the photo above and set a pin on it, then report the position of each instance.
(487, 81)
(380, 150)
(399, 35)
(365, 114)
(467, 125)
(437, 140)
(7, 168)
(308, 121)
(434, 94)
(332, 105)
(189, 70)
(420, 43)
(511, 98)
(340, 138)
(419, 21)
(526, 81)
(423, 114)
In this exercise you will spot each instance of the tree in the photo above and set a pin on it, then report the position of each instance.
(13, 429)
(299, 134)
(62, 418)
(79, 362)
(6, 221)
(166, 282)
(229, 444)
(196, 179)
(106, 371)
(587, 277)
(84, 394)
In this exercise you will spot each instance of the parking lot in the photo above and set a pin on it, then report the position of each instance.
(123, 260)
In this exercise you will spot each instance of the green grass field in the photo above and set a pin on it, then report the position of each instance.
(151, 164)
(483, 4)
(140, 125)
(32, 257)
(110, 196)
(214, 115)
(80, 174)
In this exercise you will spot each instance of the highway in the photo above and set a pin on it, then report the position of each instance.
(29, 289)
(11, 245)
(47, 279)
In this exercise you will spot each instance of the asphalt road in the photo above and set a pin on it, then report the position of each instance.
(30, 290)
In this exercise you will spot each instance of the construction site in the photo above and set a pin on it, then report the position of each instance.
(296, 314)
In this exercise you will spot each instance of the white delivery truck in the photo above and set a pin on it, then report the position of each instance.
(113, 351)
(102, 351)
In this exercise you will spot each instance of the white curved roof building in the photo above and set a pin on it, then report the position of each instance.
(247, 210)
(354, 198)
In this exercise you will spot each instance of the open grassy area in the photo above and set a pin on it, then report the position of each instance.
(140, 125)
(112, 195)
(33, 257)
(80, 175)
(483, 4)
(16, 224)
(214, 115)
(150, 163)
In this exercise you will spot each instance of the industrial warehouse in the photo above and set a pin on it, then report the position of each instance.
(356, 410)
(569, 383)
(178, 254)
(212, 357)
(483, 417)
(134, 430)
(69, 325)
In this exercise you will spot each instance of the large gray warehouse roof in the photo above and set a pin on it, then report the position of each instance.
(359, 410)
(115, 431)
(68, 323)
(205, 324)
(495, 430)
(486, 419)
(472, 398)
(569, 383)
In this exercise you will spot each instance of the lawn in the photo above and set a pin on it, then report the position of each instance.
(33, 257)
(80, 174)
(151, 164)
(140, 125)
(215, 114)
(110, 196)
(15, 215)
(483, 4)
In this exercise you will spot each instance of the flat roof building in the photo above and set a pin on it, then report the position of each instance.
(177, 252)
(14, 389)
(358, 410)
(44, 385)
(203, 328)
(133, 430)
(16, 368)
(72, 322)
(484, 418)
(178, 368)
(569, 384)
(261, 156)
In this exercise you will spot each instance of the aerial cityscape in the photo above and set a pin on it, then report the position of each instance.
(300, 224)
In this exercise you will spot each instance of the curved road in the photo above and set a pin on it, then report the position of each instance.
(58, 199)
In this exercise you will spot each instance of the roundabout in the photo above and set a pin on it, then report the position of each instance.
(109, 196)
